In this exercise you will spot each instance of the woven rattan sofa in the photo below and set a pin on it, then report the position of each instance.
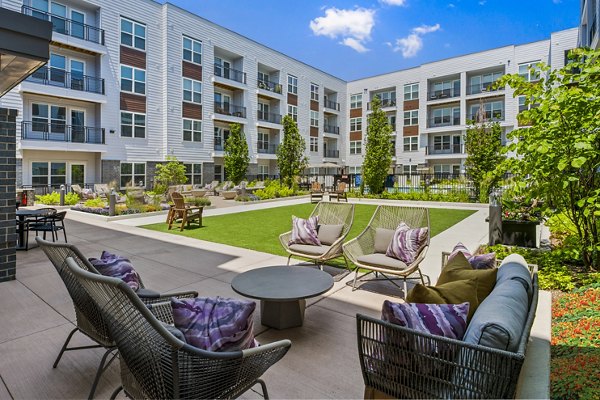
(398, 362)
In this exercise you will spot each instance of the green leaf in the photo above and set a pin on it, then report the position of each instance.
(578, 162)
(583, 146)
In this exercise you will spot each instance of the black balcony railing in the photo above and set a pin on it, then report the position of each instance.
(69, 80)
(445, 149)
(482, 88)
(331, 153)
(268, 117)
(444, 93)
(331, 129)
(384, 103)
(268, 85)
(58, 132)
(266, 148)
(67, 26)
(332, 105)
(489, 116)
(230, 73)
(443, 121)
(230, 109)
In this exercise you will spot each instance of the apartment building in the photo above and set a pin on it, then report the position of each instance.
(131, 83)
(588, 25)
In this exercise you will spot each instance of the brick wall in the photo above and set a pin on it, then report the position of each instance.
(8, 258)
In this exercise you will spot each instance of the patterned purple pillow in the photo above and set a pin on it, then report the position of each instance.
(117, 267)
(448, 320)
(479, 261)
(215, 323)
(407, 243)
(304, 231)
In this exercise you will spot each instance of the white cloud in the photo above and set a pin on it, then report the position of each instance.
(482, 2)
(557, 1)
(409, 46)
(393, 2)
(451, 5)
(353, 27)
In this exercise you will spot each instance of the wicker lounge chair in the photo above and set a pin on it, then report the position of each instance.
(340, 193)
(89, 319)
(102, 190)
(156, 365)
(361, 250)
(316, 192)
(180, 210)
(329, 214)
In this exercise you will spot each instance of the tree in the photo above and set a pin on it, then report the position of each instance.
(290, 153)
(236, 157)
(168, 174)
(483, 145)
(378, 149)
(558, 155)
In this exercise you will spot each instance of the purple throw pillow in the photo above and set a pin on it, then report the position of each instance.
(117, 267)
(304, 231)
(215, 323)
(407, 243)
(447, 320)
(478, 261)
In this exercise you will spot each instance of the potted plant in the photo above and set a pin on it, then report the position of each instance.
(520, 219)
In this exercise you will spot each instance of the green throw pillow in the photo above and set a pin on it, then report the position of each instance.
(456, 292)
(459, 269)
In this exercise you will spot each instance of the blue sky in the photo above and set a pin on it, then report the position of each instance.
(355, 39)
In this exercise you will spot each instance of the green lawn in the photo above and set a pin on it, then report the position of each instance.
(259, 230)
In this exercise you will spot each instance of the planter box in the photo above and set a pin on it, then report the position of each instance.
(519, 233)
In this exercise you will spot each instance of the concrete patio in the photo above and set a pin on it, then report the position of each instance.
(37, 314)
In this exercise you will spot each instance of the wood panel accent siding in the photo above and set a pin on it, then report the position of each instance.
(191, 70)
(411, 105)
(132, 57)
(410, 130)
(191, 110)
(133, 103)
(292, 99)
(355, 112)
(314, 131)
(356, 135)
(314, 105)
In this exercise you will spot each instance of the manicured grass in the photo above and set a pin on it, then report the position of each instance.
(260, 229)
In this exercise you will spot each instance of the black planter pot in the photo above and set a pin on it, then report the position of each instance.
(519, 233)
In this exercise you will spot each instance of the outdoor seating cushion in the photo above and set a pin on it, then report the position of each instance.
(147, 293)
(407, 243)
(383, 238)
(514, 267)
(479, 261)
(381, 260)
(174, 331)
(215, 323)
(117, 267)
(304, 231)
(460, 269)
(309, 249)
(328, 234)
(456, 292)
(500, 318)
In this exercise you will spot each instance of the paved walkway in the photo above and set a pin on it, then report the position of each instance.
(322, 363)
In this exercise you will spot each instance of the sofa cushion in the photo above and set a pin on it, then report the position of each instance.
(381, 260)
(500, 318)
(304, 231)
(383, 238)
(479, 261)
(515, 267)
(309, 249)
(174, 331)
(459, 268)
(328, 234)
(117, 267)
(407, 243)
(456, 292)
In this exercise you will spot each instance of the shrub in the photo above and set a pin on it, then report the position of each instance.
(198, 201)
(95, 203)
(71, 199)
(275, 190)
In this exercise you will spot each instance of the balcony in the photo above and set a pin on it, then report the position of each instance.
(67, 26)
(266, 148)
(495, 116)
(331, 129)
(331, 153)
(61, 133)
(268, 85)
(230, 73)
(332, 105)
(444, 149)
(65, 79)
(444, 94)
(443, 121)
(384, 103)
(230, 109)
(268, 117)
(485, 87)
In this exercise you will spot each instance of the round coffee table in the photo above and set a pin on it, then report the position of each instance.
(282, 292)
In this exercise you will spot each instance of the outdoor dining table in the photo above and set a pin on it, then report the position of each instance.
(24, 214)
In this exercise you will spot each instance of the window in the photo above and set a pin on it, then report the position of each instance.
(192, 130)
(220, 137)
(388, 99)
(314, 144)
(314, 92)
(411, 91)
(54, 122)
(292, 84)
(444, 89)
(356, 101)
(192, 91)
(314, 118)
(355, 169)
(133, 80)
(392, 121)
(133, 34)
(263, 111)
(293, 112)
(193, 173)
(192, 50)
(493, 110)
(48, 173)
(355, 124)
(263, 142)
(411, 143)
(133, 174)
(409, 169)
(263, 172)
(483, 83)
(411, 118)
(133, 125)
(446, 169)
(356, 147)
(530, 71)
(446, 116)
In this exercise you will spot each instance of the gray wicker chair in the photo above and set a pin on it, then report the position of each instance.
(329, 214)
(89, 319)
(399, 362)
(155, 364)
(387, 217)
